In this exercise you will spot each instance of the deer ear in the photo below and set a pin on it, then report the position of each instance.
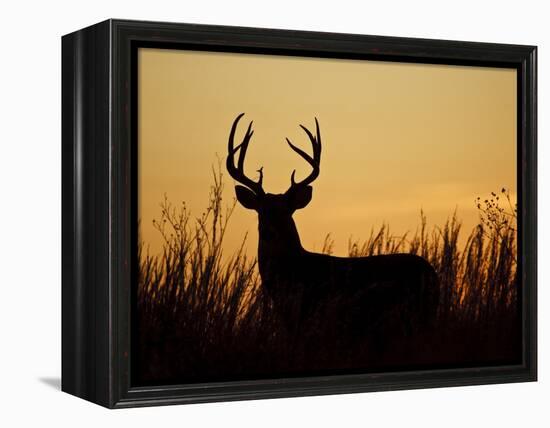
(246, 197)
(299, 196)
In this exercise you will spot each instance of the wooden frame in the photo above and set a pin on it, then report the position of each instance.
(99, 197)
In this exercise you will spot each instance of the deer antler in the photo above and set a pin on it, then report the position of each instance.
(314, 161)
(237, 172)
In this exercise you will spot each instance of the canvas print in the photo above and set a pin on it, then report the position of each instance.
(303, 216)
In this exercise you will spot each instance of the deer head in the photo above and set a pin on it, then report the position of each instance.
(274, 210)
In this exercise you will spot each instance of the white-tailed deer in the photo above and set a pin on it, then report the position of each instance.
(361, 293)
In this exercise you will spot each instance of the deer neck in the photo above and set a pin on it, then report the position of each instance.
(278, 248)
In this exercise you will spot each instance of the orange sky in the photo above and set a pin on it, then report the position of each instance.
(396, 138)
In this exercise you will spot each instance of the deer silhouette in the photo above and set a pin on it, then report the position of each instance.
(360, 293)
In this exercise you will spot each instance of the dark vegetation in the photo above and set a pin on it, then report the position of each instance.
(202, 316)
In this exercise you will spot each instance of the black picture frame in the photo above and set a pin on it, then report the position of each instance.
(99, 204)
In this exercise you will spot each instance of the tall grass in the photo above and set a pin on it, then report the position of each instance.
(202, 316)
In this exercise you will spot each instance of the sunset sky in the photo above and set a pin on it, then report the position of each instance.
(397, 138)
